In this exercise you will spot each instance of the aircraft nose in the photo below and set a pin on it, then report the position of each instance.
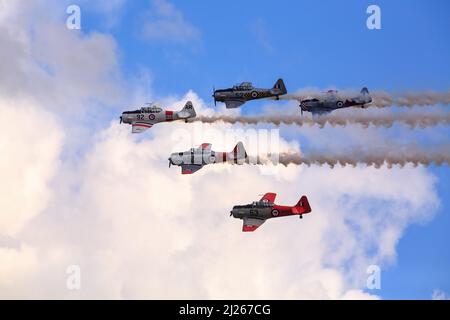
(174, 159)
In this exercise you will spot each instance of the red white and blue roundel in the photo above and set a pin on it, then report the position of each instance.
(151, 116)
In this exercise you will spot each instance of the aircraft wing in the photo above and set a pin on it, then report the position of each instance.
(206, 146)
(269, 197)
(251, 224)
(138, 127)
(190, 168)
(319, 112)
(233, 103)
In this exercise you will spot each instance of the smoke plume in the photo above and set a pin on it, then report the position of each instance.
(411, 119)
(377, 158)
(384, 99)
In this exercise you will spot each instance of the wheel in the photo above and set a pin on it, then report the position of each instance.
(339, 104)
(301, 216)
(254, 94)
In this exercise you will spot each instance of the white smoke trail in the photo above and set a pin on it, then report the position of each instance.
(412, 119)
(377, 158)
(384, 99)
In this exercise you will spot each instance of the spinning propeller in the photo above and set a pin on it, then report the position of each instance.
(214, 96)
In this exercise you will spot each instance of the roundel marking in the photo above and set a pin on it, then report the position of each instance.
(151, 117)
(275, 212)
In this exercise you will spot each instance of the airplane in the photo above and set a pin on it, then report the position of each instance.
(256, 213)
(331, 100)
(239, 94)
(193, 160)
(147, 116)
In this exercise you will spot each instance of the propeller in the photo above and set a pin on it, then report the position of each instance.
(170, 162)
(120, 120)
(214, 96)
(231, 213)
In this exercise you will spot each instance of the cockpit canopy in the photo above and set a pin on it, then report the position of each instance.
(150, 108)
(243, 86)
(262, 204)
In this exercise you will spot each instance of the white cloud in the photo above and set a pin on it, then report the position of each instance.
(166, 23)
(62, 69)
(259, 31)
(30, 145)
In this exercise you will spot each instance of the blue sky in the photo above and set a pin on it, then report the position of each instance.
(309, 44)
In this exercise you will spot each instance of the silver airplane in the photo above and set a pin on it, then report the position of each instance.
(147, 116)
(194, 159)
(256, 213)
(332, 100)
(239, 94)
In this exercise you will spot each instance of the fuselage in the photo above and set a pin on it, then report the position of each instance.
(243, 94)
(199, 156)
(262, 210)
(150, 116)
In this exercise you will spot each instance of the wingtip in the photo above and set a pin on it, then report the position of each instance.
(248, 228)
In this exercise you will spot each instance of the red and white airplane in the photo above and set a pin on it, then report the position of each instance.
(147, 116)
(194, 159)
(256, 213)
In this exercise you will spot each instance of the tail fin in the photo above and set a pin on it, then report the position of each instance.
(302, 206)
(239, 152)
(364, 91)
(188, 111)
(279, 86)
